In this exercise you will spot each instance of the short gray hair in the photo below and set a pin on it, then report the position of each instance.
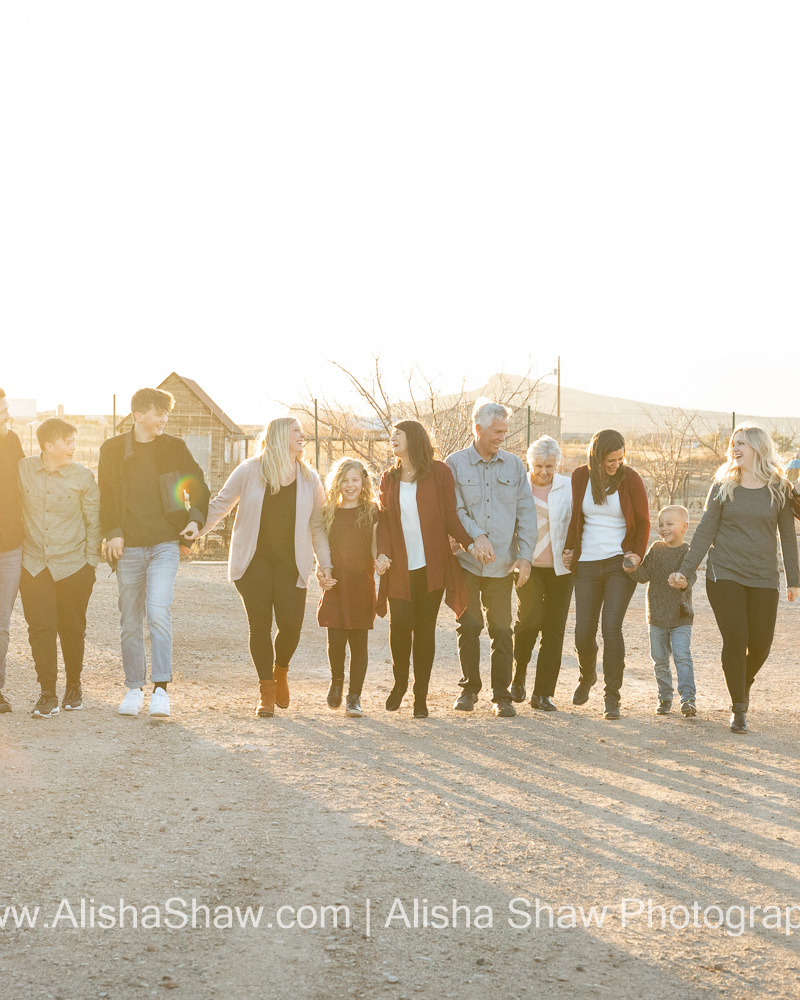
(485, 411)
(543, 447)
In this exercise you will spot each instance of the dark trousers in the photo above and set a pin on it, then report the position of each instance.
(266, 589)
(338, 641)
(412, 632)
(493, 596)
(602, 587)
(746, 618)
(57, 611)
(542, 609)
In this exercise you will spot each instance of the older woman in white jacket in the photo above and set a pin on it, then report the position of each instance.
(277, 531)
(543, 602)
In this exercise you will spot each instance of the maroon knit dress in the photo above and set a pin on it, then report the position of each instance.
(351, 603)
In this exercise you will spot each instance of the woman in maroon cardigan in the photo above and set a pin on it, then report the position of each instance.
(415, 560)
(606, 541)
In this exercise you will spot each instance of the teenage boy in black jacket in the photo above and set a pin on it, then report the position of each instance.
(151, 490)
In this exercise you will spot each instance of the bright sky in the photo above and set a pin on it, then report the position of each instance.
(242, 191)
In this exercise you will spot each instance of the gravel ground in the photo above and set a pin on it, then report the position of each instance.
(312, 811)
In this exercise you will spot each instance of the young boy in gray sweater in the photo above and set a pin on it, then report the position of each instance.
(669, 611)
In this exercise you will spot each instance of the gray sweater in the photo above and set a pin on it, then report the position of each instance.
(667, 607)
(740, 536)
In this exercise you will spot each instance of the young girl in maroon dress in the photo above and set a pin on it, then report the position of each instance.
(347, 605)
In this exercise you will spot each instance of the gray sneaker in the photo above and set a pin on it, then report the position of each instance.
(663, 707)
(688, 710)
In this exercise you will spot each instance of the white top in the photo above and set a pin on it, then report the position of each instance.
(412, 532)
(603, 527)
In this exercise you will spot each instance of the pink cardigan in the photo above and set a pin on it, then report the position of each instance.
(246, 486)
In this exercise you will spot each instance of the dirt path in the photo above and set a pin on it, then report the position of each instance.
(313, 810)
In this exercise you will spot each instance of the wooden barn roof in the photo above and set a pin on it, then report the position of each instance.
(209, 402)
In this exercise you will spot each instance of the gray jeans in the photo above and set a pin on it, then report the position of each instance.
(10, 570)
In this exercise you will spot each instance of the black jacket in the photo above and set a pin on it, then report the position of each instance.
(175, 462)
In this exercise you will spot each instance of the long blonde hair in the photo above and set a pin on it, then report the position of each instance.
(333, 491)
(276, 462)
(767, 467)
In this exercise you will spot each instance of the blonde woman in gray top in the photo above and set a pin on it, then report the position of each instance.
(746, 511)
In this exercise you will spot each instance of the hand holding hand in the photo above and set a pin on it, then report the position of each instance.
(382, 563)
(630, 561)
(325, 579)
(113, 551)
(191, 531)
(482, 550)
(679, 581)
(566, 557)
(523, 568)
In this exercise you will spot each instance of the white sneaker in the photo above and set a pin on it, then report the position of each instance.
(159, 703)
(132, 702)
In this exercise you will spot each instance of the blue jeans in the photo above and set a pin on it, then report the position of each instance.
(10, 570)
(146, 581)
(678, 641)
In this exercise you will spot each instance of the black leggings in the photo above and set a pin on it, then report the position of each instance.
(412, 627)
(338, 640)
(746, 618)
(263, 588)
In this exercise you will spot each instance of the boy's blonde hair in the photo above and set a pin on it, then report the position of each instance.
(333, 491)
(675, 506)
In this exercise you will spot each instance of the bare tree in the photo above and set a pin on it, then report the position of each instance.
(667, 453)
(447, 418)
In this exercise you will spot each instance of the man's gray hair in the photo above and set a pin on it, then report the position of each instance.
(543, 447)
(485, 411)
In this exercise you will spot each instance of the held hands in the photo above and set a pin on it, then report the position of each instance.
(679, 582)
(566, 557)
(630, 562)
(382, 563)
(481, 549)
(113, 551)
(523, 568)
(325, 579)
(191, 531)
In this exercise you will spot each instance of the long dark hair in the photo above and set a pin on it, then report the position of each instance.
(420, 450)
(601, 445)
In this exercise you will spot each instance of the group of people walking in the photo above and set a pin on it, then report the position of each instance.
(467, 531)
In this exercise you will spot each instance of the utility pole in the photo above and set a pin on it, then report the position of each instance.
(733, 421)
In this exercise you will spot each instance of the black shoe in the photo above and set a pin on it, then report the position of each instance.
(688, 710)
(663, 707)
(420, 710)
(465, 702)
(581, 695)
(517, 689)
(353, 706)
(5, 704)
(335, 694)
(395, 698)
(46, 706)
(73, 698)
(543, 702)
(738, 718)
(504, 710)
(611, 708)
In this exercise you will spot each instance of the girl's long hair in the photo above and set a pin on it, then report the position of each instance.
(420, 450)
(276, 462)
(767, 467)
(367, 508)
(601, 445)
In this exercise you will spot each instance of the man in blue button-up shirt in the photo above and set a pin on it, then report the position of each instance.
(497, 509)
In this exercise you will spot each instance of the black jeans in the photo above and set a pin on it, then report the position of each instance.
(746, 618)
(602, 585)
(412, 630)
(492, 595)
(338, 641)
(57, 611)
(542, 609)
(266, 588)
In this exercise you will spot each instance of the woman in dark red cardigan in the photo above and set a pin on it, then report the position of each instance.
(417, 565)
(606, 541)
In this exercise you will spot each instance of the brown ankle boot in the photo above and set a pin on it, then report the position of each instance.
(281, 686)
(266, 707)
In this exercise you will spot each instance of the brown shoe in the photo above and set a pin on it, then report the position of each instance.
(266, 707)
(281, 686)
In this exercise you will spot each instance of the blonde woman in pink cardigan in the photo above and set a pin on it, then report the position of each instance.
(277, 532)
